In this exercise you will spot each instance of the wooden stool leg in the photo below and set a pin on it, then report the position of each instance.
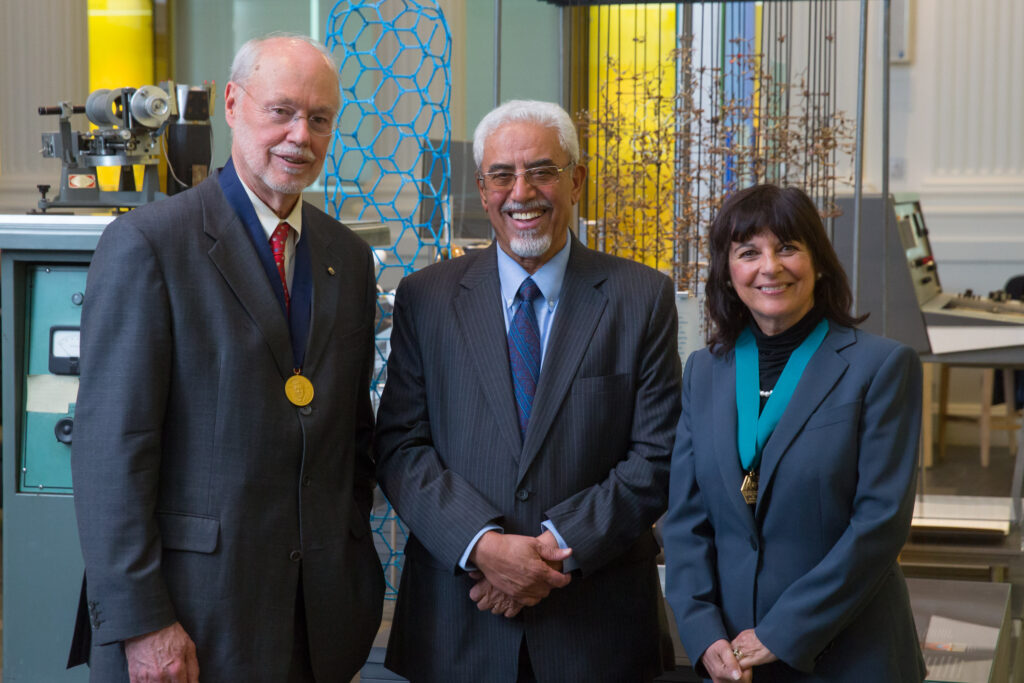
(1009, 391)
(928, 388)
(943, 407)
(985, 421)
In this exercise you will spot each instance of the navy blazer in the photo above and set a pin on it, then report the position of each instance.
(812, 566)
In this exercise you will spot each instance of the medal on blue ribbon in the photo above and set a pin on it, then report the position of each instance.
(754, 426)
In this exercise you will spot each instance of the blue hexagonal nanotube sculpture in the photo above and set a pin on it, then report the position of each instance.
(389, 160)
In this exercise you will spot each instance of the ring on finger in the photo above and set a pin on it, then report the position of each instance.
(737, 653)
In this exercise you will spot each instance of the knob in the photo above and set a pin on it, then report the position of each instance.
(62, 430)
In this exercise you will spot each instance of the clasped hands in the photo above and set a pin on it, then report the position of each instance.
(516, 571)
(735, 661)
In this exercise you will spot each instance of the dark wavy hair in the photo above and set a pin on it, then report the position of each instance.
(791, 215)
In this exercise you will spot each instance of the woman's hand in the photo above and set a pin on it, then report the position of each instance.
(750, 651)
(721, 663)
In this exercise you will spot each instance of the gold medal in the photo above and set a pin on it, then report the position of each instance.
(748, 488)
(299, 390)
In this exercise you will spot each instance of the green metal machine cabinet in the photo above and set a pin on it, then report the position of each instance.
(43, 266)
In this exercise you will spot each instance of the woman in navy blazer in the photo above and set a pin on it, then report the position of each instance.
(787, 514)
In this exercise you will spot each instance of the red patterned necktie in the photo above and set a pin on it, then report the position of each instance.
(277, 242)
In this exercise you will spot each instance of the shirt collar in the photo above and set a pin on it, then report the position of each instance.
(269, 220)
(548, 277)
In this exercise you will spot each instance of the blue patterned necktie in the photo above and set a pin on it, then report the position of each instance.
(524, 351)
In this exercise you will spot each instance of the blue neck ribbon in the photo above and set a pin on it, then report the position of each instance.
(302, 278)
(754, 429)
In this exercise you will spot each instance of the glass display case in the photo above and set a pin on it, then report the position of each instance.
(965, 629)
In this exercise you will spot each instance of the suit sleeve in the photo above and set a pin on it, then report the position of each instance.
(602, 521)
(690, 582)
(443, 510)
(115, 457)
(814, 609)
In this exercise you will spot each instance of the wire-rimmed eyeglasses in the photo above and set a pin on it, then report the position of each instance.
(284, 115)
(538, 176)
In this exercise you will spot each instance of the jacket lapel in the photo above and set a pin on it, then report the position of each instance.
(478, 315)
(234, 255)
(325, 290)
(723, 401)
(581, 305)
(825, 368)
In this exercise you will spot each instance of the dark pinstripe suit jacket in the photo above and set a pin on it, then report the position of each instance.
(195, 479)
(594, 461)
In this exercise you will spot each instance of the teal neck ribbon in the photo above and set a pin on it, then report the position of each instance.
(754, 426)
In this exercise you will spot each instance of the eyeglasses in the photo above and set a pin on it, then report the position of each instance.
(284, 115)
(539, 176)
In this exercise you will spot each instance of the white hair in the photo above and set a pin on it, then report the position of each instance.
(245, 59)
(547, 114)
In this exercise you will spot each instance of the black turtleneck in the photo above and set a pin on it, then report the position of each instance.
(773, 351)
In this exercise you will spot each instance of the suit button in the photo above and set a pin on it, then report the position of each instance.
(522, 494)
(753, 543)
(295, 556)
(307, 480)
(306, 410)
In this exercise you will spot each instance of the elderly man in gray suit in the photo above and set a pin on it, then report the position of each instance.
(524, 435)
(222, 467)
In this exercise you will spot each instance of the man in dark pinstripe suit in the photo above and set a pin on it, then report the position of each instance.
(531, 555)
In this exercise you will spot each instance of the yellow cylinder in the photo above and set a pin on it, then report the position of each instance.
(120, 55)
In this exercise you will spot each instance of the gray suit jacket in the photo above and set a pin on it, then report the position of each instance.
(594, 462)
(202, 494)
(813, 566)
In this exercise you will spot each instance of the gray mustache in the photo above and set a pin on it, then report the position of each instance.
(303, 153)
(512, 205)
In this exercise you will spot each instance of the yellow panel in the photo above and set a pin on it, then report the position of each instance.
(120, 55)
(632, 89)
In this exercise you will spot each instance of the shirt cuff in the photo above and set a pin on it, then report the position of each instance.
(464, 560)
(569, 564)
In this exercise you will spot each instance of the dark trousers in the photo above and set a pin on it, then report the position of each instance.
(525, 668)
(301, 669)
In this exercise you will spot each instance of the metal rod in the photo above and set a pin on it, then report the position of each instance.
(497, 52)
(638, 223)
(564, 50)
(886, 6)
(684, 30)
(834, 81)
(858, 172)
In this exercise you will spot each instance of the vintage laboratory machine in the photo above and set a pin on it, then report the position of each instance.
(43, 265)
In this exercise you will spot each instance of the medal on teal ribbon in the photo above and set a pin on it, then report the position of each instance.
(753, 425)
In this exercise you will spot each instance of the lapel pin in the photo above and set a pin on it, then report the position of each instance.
(330, 270)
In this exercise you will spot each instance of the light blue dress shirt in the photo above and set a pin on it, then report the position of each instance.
(548, 278)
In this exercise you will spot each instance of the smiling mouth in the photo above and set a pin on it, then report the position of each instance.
(773, 289)
(525, 215)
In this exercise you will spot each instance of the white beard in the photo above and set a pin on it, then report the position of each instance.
(530, 246)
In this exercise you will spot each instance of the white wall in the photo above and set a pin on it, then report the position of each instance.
(44, 61)
(957, 115)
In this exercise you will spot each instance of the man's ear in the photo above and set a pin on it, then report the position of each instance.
(579, 174)
(230, 102)
(483, 194)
